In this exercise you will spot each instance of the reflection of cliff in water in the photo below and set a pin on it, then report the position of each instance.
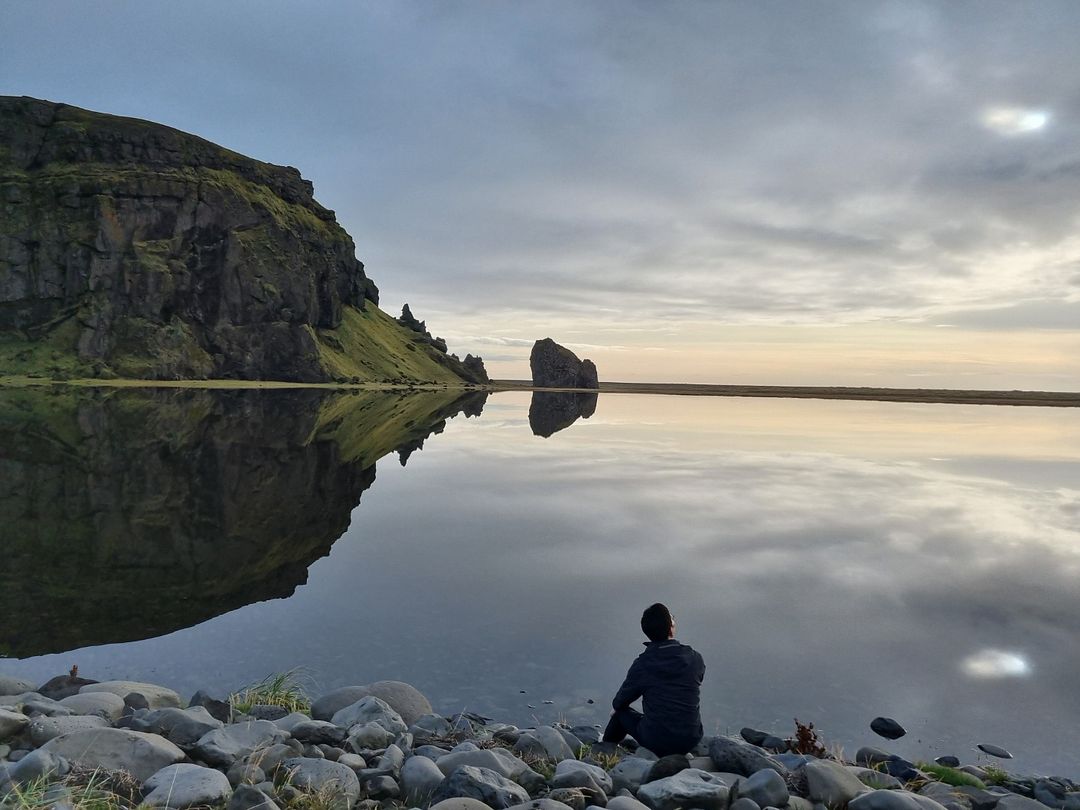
(550, 412)
(127, 514)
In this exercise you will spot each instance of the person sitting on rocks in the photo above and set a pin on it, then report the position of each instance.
(667, 677)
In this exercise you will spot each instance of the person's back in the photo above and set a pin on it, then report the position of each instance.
(667, 677)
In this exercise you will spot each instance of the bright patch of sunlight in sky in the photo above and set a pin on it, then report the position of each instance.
(995, 664)
(1015, 120)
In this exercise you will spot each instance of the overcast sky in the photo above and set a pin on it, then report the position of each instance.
(864, 193)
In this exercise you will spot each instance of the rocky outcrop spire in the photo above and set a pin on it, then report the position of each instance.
(555, 366)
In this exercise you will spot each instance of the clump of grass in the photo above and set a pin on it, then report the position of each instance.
(285, 689)
(605, 761)
(995, 775)
(950, 776)
(80, 790)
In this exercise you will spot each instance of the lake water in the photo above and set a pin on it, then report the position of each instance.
(832, 561)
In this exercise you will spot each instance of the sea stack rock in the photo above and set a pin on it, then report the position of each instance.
(555, 366)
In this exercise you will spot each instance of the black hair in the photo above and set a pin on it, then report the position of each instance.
(656, 622)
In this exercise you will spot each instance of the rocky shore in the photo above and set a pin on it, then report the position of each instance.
(77, 744)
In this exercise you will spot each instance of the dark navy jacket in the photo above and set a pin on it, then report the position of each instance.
(667, 677)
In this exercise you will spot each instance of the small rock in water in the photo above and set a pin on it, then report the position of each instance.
(549, 702)
(887, 727)
(994, 751)
(590, 701)
(948, 761)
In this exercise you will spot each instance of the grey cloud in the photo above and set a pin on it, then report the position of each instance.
(714, 160)
(1041, 314)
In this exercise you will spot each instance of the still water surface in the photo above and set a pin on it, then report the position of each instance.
(832, 561)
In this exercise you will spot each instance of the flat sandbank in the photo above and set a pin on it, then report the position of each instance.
(1058, 399)
(1052, 399)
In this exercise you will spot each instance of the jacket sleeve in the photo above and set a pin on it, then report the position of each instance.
(631, 689)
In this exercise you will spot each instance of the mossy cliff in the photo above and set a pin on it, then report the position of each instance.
(132, 249)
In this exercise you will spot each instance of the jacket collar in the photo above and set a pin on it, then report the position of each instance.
(657, 645)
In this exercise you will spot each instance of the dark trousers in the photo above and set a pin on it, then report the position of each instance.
(623, 722)
(628, 721)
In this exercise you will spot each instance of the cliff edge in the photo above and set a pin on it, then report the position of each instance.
(131, 249)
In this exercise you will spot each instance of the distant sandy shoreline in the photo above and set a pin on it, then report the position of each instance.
(1058, 399)
(1048, 399)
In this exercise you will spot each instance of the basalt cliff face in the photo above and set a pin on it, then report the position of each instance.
(129, 248)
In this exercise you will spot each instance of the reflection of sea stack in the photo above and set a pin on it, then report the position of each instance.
(552, 411)
(555, 366)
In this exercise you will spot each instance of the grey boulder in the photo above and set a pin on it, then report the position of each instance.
(223, 746)
(571, 773)
(322, 776)
(459, 803)
(116, 749)
(11, 723)
(370, 709)
(545, 742)
(546, 804)
(185, 727)
(630, 773)
(103, 704)
(625, 803)
(499, 760)
(43, 729)
(403, 698)
(10, 685)
(767, 788)
(733, 756)
(893, 800)
(158, 697)
(481, 784)
(249, 797)
(1014, 801)
(419, 778)
(184, 785)
(831, 783)
(689, 788)
(35, 765)
(318, 732)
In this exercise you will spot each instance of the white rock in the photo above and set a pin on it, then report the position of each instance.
(626, 803)
(689, 788)
(103, 704)
(460, 803)
(116, 749)
(157, 697)
(181, 786)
